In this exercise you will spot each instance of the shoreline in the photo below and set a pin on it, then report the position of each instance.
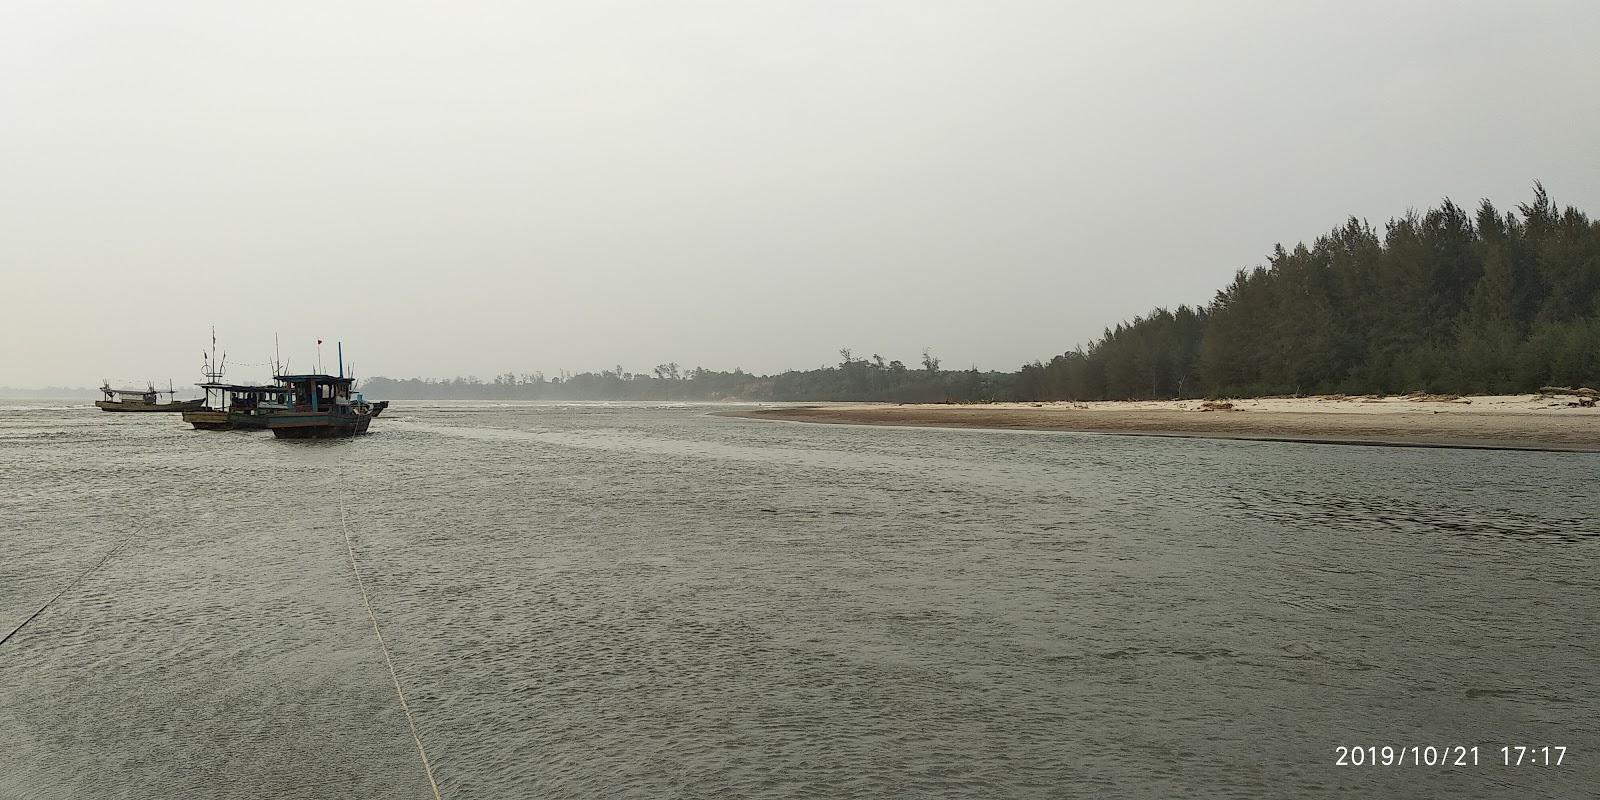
(1513, 422)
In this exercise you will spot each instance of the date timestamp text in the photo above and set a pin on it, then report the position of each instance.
(1455, 755)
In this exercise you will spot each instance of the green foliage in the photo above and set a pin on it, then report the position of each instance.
(1444, 301)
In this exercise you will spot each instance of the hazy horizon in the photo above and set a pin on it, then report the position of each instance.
(460, 190)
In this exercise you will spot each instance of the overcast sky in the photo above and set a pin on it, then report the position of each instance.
(463, 188)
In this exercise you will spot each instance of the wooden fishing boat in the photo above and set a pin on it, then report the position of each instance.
(237, 406)
(318, 406)
(232, 406)
(321, 406)
(147, 399)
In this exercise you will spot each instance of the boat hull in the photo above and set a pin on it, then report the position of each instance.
(317, 425)
(181, 405)
(206, 419)
(250, 422)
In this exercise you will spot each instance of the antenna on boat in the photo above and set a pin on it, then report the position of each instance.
(277, 356)
(341, 359)
(213, 369)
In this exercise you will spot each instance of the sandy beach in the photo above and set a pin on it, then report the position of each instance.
(1512, 422)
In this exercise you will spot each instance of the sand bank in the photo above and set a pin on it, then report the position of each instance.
(1514, 422)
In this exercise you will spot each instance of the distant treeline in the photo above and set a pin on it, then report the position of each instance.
(873, 379)
(1444, 301)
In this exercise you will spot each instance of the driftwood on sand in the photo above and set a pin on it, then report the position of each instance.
(1586, 396)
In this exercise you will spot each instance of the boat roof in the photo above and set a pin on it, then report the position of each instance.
(315, 377)
(130, 391)
(242, 387)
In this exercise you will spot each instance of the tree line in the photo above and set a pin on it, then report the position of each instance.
(1443, 301)
(853, 378)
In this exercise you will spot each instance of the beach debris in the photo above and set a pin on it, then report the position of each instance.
(1217, 405)
(1586, 397)
(1424, 397)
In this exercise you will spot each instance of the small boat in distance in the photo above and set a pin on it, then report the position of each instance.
(147, 399)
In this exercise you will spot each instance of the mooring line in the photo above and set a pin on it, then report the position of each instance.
(411, 720)
(74, 582)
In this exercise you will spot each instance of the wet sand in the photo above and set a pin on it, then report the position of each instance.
(1511, 422)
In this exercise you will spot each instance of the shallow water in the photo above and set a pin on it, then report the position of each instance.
(648, 601)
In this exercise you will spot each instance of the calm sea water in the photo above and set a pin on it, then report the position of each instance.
(649, 601)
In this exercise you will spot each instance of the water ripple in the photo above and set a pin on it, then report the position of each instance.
(595, 600)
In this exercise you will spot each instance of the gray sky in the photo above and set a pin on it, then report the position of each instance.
(465, 188)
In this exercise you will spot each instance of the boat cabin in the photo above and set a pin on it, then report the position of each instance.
(245, 398)
(316, 392)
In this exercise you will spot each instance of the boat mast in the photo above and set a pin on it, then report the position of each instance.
(213, 369)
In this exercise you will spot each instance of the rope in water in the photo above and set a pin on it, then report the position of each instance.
(64, 589)
(411, 720)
